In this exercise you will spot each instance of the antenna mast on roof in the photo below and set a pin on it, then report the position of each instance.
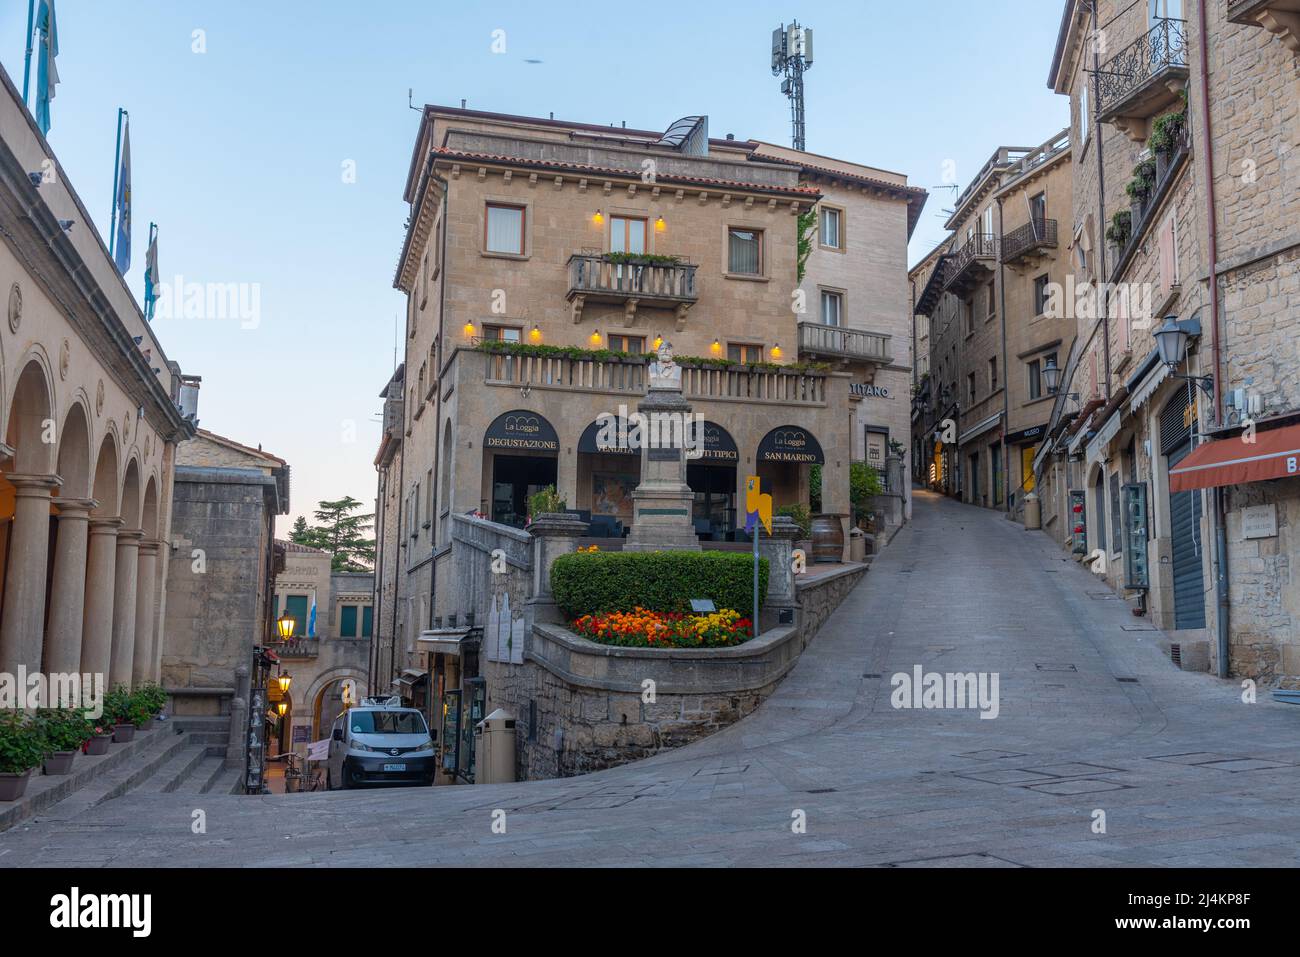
(792, 54)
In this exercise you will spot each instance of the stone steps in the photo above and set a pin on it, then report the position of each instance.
(184, 754)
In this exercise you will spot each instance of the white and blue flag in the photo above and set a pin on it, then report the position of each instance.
(122, 242)
(47, 75)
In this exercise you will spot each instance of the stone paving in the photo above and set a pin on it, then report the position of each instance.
(1093, 717)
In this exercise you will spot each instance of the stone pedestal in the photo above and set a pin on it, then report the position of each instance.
(662, 504)
(554, 534)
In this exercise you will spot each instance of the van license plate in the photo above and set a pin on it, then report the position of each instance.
(394, 767)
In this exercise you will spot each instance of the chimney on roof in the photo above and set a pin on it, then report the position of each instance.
(731, 136)
(189, 397)
(462, 104)
(625, 124)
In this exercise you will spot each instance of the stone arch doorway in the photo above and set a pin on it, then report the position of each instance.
(325, 698)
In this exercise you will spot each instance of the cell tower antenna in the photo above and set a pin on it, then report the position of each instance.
(792, 55)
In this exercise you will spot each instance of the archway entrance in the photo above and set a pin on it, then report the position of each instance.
(521, 451)
(712, 477)
(784, 458)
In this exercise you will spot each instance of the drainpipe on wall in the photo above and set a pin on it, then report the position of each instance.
(1006, 370)
(1219, 510)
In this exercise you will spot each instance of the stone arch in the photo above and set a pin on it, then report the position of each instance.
(149, 512)
(131, 495)
(31, 410)
(74, 453)
(106, 489)
(321, 684)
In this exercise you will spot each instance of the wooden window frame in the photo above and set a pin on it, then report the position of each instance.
(758, 231)
(491, 204)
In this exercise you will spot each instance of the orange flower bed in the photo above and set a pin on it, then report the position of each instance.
(641, 628)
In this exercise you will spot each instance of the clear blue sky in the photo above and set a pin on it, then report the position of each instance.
(238, 152)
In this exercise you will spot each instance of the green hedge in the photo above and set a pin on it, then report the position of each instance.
(591, 582)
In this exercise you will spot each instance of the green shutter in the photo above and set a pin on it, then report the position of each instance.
(295, 606)
(367, 621)
(348, 628)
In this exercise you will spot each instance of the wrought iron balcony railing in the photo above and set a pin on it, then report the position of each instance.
(969, 263)
(1035, 235)
(1147, 75)
(816, 339)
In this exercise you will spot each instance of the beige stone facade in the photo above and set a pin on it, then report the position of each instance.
(1214, 244)
(91, 421)
(980, 301)
(512, 225)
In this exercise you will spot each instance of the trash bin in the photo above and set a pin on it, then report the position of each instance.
(1033, 512)
(494, 749)
(857, 545)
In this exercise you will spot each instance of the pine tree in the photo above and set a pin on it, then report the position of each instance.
(342, 534)
(300, 533)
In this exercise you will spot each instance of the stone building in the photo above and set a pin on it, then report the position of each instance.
(389, 620)
(981, 300)
(91, 413)
(330, 649)
(1186, 210)
(607, 243)
(224, 562)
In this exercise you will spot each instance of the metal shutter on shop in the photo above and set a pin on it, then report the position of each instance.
(1185, 522)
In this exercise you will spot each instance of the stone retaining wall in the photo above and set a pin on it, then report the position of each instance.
(583, 706)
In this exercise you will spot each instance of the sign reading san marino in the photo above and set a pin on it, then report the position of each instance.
(789, 443)
(521, 430)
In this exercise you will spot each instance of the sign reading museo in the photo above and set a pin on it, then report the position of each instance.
(521, 430)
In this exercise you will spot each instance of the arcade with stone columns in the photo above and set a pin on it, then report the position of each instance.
(90, 409)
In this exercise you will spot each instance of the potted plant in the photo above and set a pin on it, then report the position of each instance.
(100, 736)
(117, 713)
(152, 697)
(546, 501)
(138, 712)
(21, 749)
(64, 731)
(1119, 231)
(1167, 132)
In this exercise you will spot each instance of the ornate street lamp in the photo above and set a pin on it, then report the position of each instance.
(282, 707)
(1171, 343)
(284, 679)
(1051, 376)
(284, 626)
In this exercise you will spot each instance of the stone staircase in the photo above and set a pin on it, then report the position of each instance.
(185, 755)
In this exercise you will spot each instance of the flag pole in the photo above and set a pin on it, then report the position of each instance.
(27, 59)
(117, 169)
(150, 294)
(758, 525)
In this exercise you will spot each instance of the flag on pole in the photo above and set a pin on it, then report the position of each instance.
(47, 74)
(311, 620)
(122, 204)
(151, 277)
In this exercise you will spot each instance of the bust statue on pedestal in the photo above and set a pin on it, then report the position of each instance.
(664, 372)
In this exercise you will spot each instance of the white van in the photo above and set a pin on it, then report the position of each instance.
(380, 742)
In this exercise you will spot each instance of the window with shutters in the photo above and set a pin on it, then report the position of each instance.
(1168, 256)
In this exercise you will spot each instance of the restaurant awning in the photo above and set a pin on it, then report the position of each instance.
(1271, 455)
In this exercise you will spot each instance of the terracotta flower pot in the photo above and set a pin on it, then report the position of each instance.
(13, 786)
(98, 744)
(60, 762)
(123, 733)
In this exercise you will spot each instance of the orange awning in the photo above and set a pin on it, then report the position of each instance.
(1271, 455)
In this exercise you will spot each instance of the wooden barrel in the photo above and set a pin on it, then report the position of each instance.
(827, 538)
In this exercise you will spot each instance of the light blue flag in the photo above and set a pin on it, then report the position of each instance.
(151, 275)
(47, 74)
(122, 244)
(311, 620)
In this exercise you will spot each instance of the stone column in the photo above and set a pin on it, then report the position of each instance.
(122, 658)
(554, 534)
(101, 574)
(68, 586)
(145, 613)
(22, 632)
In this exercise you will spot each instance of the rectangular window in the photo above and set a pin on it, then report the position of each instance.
(1115, 516)
(970, 386)
(367, 621)
(831, 228)
(503, 229)
(295, 606)
(632, 344)
(1083, 109)
(501, 333)
(626, 235)
(1040, 294)
(1038, 211)
(991, 302)
(993, 375)
(968, 317)
(745, 252)
(1035, 380)
(348, 621)
(742, 352)
(832, 308)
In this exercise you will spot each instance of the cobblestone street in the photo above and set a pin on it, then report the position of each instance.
(1092, 718)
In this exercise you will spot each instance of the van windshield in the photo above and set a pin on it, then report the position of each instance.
(388, 722)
